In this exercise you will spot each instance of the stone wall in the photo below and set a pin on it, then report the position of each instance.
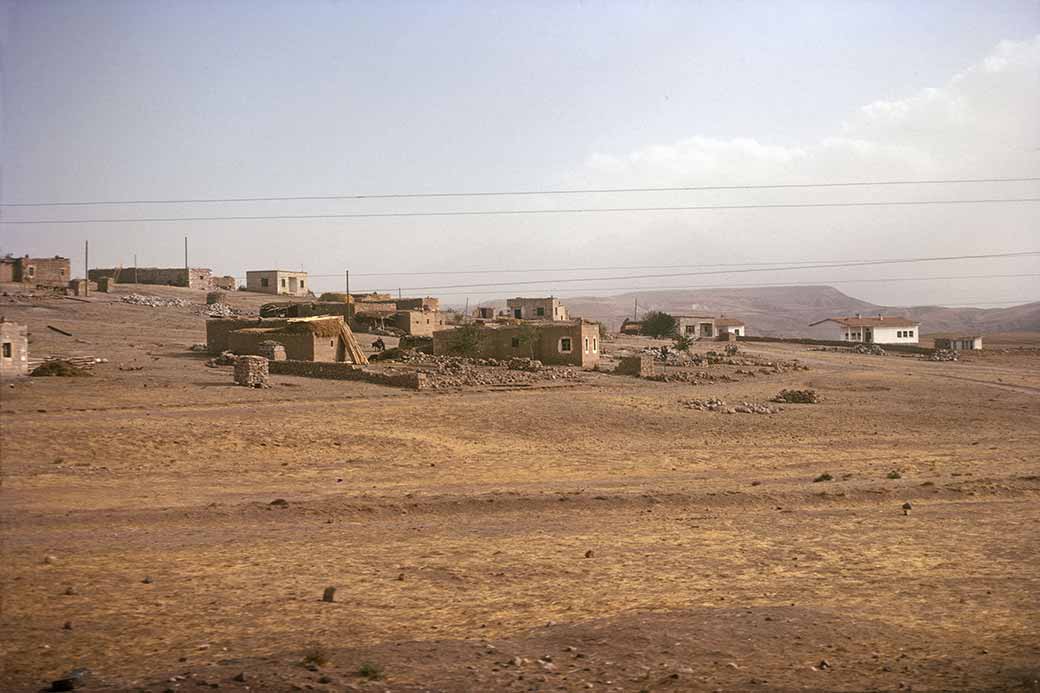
(14, 357)
(251, 371)
(193, 277)
(329, 370)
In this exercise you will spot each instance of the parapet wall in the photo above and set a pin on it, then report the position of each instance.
(412, 380)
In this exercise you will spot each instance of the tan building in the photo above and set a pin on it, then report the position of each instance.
(281, 282)
(421, 323)
(969, 343)
(37, 271)
(537, 308)
(553, 342)
(325, 338)
(708, 327)
(191, 277)
(14, 349)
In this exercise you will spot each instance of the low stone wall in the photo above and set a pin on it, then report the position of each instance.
(251, 371)
(412, 380)
(904, 348)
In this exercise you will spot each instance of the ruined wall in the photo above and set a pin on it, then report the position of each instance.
(424, 303)
(418, 322)
(641, 366)
(14, 349)
(298, 345)
(7, 270)
(509, 341)
(306, 310)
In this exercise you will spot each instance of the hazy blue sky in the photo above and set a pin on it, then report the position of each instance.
(134, 100)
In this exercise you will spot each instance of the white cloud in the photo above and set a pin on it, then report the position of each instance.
(984, 121)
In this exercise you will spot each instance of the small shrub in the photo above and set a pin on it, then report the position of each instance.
(823, 477)
(659, 324)
(894, 475)
(59, 368)
(682, 343)
(370, 671)
(316, 654)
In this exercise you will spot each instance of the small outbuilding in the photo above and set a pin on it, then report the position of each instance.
(872, 330)
(553, 342)
(323, 338)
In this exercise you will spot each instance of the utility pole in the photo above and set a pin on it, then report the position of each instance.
(635, 311)
(398, 293)
(465, 314)
(86, 267)
(346, 274)
(135, 268)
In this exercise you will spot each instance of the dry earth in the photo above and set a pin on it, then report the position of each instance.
(597, 537)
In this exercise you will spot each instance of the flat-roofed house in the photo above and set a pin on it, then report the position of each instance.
(14, 349)
(537, 308)
(553, 342)
(281, 282)
(968, 343)
(708, 327)
(872, 330)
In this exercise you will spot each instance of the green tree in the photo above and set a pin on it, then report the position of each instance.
(466, 341)
(683, 343)
(659, 324)
(528, 336)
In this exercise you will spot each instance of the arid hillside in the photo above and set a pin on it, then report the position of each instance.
(787, 311)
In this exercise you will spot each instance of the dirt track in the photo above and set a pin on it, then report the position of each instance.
(456, 526)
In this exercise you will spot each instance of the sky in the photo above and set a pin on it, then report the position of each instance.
(140, 100)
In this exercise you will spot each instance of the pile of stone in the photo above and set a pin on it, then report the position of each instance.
(718, 405)
(524, 364)
(252, 371)
(871, 349)
(226, 358)
(714, 404)
(797, 397)
(154, 301)
(215, 310)
(942, 355)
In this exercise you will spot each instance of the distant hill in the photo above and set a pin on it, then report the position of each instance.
(787, 311)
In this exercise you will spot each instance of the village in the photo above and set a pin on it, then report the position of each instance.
(418, 345)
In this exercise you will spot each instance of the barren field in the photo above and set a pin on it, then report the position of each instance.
(594, 535)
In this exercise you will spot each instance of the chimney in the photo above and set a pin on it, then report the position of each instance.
(880, 316)
(858, 315)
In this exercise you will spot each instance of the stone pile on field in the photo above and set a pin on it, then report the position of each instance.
(252, 371)
(154, 301)
(871, 349)
(797, 397)
(718, 405)
(214, 310)
(445, 372)
(942, 355)
(226, 358)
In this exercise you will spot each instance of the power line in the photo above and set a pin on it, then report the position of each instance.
(863, 263)
(516, 212)
(814, 282)
(504, 193)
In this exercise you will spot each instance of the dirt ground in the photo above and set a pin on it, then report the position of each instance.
(595, 536)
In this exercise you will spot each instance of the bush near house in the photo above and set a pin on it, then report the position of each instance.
(659, 324)
(466, 341)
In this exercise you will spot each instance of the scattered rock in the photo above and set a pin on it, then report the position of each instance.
(797, 397)
(50, 559)
(329, 595)
(147, 580)
(77, 678)
(240, 677)
(589, 554)
(280, 503)
(907, 507)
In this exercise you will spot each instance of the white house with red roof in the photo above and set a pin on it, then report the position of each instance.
(873, 330)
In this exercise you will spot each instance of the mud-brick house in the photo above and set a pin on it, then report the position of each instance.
(871, 330)
(420, 323)
(37, 271)
(963, 343)
(548, 308)
(14, 349)
(189, 277)
(322, 338)
(553, 342)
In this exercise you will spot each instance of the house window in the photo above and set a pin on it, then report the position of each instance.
(515, 342)
(61, 272)
(565, 345)
(595, 345)
(910, 334)
(586, 345)
(7, 350)
(540, 312)
(264, 283)
(332, 342)
(283, 282)
(31, 270)
(301, 283)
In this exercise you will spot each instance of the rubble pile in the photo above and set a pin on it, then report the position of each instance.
(524, 364)
(214, 310)
(716, 404)
(871, 349)
(694, 377)
(798, 397)
(942, 355)
(154, 301)
(226, 358)
(445, 372)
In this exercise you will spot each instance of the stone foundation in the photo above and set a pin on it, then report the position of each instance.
(641, 366)
(333, 370)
